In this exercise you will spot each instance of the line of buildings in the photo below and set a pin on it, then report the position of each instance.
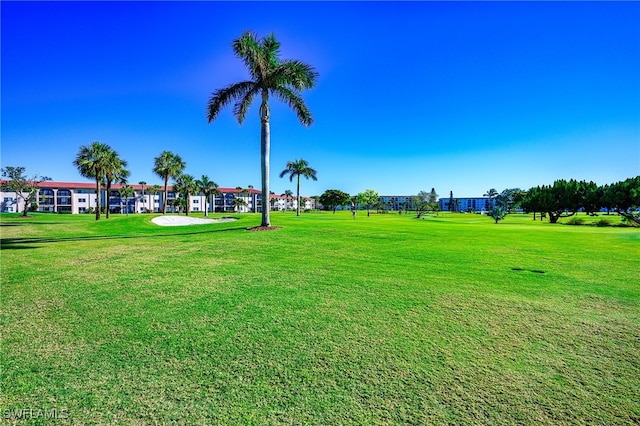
(467, 204)
(79, 197)
(75, 198)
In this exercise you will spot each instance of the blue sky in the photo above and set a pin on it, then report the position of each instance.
(460, 96)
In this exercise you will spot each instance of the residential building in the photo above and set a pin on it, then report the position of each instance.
(467, 204)
(80, 197)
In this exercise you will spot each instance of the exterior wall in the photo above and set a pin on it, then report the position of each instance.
(396, 202)
(476, 204)
(10, 203)
(80, 198)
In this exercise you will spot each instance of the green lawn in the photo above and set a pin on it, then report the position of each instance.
(328, 320)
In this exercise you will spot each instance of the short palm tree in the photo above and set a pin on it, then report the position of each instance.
(298, 168)
(167, 165)
(91, 162)
(238, 203)
(284, 79)
(208, 188)
(114, 172)
(187, 186)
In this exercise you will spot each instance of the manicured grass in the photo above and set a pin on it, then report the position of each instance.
(328, 320)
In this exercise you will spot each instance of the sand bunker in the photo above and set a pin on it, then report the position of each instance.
(186, 220)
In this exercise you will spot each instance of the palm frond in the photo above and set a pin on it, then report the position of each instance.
(295, 102)
(242, 106)
(249, 48)
(297, 74)
(222, 97)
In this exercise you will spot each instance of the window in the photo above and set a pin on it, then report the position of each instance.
(196, 201)
(82, 200)
(8, 199)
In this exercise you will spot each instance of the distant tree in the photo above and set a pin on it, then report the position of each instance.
(284, 79)
(115, 171)
(332, 198)
(25, 187)
(433, 201)
(238, 203)
(624, 198)
(91, 162)
(167, 165)
(497, 213)
(209, 189)
(452, 204)
(492, 193)
(510, 199)
(126, 192)
(288, 195)
(421, 203)
(252, 198)
(298, 168)
(179, 203)
(143, 183)
(155, 189)
(187, 186)
(562, 199)
(368, 198)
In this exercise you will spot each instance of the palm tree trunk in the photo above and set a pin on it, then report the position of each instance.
(107, 199)
(97, 198)
(265, 146)
(298, 195)
(164, 201)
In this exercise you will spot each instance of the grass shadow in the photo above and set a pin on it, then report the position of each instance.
(21, 243)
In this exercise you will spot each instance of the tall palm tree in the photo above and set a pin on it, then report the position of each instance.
(144, 202)
(284, 79)
(114, 171)
(91, 162)
(298, 168)
(167, 165)
(208, 188)
(187, 186)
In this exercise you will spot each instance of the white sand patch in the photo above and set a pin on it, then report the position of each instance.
(186, 220)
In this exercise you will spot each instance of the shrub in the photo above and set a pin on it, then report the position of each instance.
(576, 221)
(602, 222)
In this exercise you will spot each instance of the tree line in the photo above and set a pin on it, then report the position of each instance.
(566, 197)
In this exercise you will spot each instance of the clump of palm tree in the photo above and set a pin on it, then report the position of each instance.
(186, 185)
(100, 162)
(208, 188)
(167, 165)
(298, 168)
(270, 75)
